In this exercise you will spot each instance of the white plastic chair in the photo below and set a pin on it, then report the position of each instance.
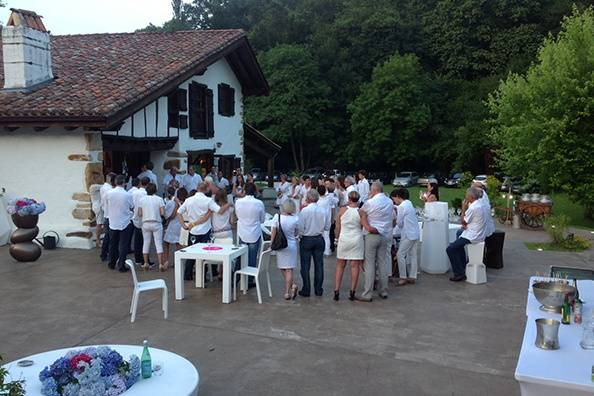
(144, 286)
(210, 263)
(476, 272)
(263, 264)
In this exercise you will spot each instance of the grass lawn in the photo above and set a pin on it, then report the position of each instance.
(562, 204)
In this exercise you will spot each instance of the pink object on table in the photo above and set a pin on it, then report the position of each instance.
(212, 248)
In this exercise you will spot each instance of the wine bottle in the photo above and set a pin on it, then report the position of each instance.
(566, 311)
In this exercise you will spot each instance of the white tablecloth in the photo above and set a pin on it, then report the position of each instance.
(566, 371)
(196, 252)
(177, 376)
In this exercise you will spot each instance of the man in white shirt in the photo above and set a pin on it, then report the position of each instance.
(474, 224)
(223, 182)
(119, 207)
(377, 218)
(330, 184)
(197, 209)
(104, 217)
(363, 186)
(191, 180)
(407, 222)
(250, 214)
(137, 195)
(172, 178)
(305, 187)
(146, 170)
(313, 221)
(349, 182)
(486, 203)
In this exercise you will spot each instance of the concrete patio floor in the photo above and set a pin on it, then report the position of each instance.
(433, 338)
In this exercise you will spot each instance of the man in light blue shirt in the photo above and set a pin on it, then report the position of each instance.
(408, 223)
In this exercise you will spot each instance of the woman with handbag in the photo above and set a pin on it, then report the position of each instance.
(284, 242)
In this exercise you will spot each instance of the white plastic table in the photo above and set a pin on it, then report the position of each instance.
(562, 372)
(197, 252)
(177, 375)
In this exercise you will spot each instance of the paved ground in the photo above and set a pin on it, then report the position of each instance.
(434, 338)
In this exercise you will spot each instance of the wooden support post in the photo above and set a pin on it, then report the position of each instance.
(271, 172)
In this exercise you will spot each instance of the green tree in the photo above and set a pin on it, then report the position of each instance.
(476, 38)
(543, 121)
(293, 113)
(391, 115)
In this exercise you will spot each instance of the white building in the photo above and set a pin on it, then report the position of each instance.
(75, 107)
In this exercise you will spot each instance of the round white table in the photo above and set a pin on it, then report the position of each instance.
(177, 375)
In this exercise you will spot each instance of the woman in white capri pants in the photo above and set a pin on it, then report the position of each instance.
(151, 209)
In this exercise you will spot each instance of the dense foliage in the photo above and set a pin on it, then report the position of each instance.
(543, 120)
(461, 49)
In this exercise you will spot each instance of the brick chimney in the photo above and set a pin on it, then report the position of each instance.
(26, 51)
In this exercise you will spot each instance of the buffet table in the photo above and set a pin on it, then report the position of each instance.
(565, 371)
(177, 375)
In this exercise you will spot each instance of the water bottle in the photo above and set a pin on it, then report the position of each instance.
(146, 366)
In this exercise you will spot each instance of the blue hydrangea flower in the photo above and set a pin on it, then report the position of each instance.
(71, 389)
(49, 387)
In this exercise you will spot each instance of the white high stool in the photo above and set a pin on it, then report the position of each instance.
(476, 272)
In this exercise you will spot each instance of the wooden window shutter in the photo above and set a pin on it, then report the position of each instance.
(209, 113)
(172, 112)
(182, 101)
(226, 102)
(198, 111)
(231, 99)
(183, 122)
(221, 99)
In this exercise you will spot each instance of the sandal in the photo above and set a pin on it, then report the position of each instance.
(287, 296)
(401, 282)
(294, 290)
(145, 267)
(412, 281)
(166, 265)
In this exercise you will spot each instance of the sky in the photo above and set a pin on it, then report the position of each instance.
(93, 16)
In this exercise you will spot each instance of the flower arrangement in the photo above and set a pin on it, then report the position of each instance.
(93, 371)
(25, 206)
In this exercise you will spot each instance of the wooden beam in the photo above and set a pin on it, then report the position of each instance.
(40, 128)
(71, 128)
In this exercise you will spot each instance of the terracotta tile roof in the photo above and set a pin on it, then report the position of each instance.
(98, 75)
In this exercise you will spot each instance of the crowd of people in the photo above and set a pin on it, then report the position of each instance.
(371, 232)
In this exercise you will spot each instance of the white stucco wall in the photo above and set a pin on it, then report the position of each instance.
(36, 165)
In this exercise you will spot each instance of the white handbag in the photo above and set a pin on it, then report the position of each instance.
(184, 235)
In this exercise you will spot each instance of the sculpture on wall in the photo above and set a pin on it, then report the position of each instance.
(25, 215)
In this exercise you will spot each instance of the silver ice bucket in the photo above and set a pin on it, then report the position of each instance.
(547, 333)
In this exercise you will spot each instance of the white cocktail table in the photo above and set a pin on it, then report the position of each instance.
(197, 252)
(562, 372)
(177, 375)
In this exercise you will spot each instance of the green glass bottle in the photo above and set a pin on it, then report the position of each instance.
(577, 292)
(566, 311)
(146, 366)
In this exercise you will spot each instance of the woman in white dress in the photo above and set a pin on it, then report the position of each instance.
(295, 192)
(350, 247)
(172, 224)
(286, 259)
(282, 193)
